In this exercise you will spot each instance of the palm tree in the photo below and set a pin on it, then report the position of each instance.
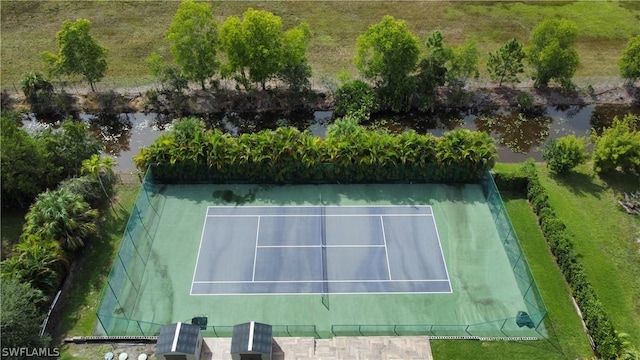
(61, 216)
(101, 169)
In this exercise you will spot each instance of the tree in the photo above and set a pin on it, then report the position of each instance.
(61, 216)
(295, 71)
(629, 63)
(551, 53)
(387, 53)
(20, 318)
(565, 153)
(69, 146)
(618, 146)
(463, 65)
(193, 35)
(79, 53)
(253, 46)
(506, 63)
(26, 169)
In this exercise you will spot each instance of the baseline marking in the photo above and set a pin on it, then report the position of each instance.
(318, 215)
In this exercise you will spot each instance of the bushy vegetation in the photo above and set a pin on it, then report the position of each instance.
(20, 318)
(629, 63)
(565, 153)
(387, 54)
(287, 155)
(618, 147)
(356, 98)
(551, 53)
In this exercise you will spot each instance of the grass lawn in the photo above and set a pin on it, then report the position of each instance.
(567, 338)
(132, 30)
(604, 236)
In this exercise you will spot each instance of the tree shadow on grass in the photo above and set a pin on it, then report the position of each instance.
(621, 182)
(580, 184)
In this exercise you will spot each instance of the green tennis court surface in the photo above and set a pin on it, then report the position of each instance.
(323, 260)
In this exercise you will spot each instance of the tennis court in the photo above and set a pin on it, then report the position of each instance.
(322, 260)
(319, 249)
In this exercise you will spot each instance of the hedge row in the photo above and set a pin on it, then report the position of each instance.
(607, 343)
(189, 153)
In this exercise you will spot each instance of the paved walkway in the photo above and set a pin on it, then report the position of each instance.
(338, 348)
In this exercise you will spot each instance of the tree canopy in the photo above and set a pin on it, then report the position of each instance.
(257, 49)
(629, 63)
(193, 35)
(551, 52)
(387, 53)
(79, 53)
(20, 319)
(506, 63)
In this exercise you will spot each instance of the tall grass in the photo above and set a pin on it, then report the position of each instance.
(132, 30)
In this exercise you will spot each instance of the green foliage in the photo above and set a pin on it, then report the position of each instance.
(349, 154)
(618, 147)
(99, 170)
(387, 53)
(464, 65)
(36, 87)
(295, 70)
(345, 128)
(253, 45)
(629, 63)
(79, 53)
(40, 262)
(168, 74)
(20, 318)
(565, 153)
(61, 216)
(193, 36)
(355, 98)
(551, 52)
(69, 146)
(505, 64)
(26, 169)
(607, 343)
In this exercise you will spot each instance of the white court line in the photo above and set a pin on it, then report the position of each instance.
(318, 215)
(313, 281)
(204, 225)
(319, 246)
(336, 293)
(315, 206)
(255, 254)
(444, 261)
(386, 251)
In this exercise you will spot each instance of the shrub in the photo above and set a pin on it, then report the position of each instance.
(355, 98)
(618, 147)
(565, 153)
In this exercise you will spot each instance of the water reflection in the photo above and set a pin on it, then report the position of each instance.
(114, 130)
(519, 134)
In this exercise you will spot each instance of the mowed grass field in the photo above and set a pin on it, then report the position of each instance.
(132, 30)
